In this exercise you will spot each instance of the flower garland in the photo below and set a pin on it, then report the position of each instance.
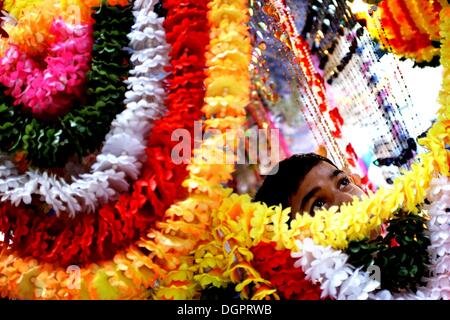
(81, 130)
(50, 91)
(277, 266)
(124, 146)
(239, 224)
(227, 94)
(29, 23)
(157, 254)
(407, 28)
(126, 226)
(437, 283)
(186, 221)
(401, 255)
(338, 279)
(245, 225)
(318, 262)
(444, 96)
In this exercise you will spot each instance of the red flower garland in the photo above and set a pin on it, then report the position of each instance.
(396, 16)
(277, 266)
(90, 238)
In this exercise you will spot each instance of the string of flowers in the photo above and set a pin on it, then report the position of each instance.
(117, 224)
(332, 269)
(252, 226)
(131, 272)
(227, 94)
(185, 225)
(237, 223)
(124, 148)
(338, 279)
(355, 221)
(278, 267)
(29, 23)
(438, 286)
(437, 282)
(407, 28)
(50, 91)
(81, 130)
(401, 255)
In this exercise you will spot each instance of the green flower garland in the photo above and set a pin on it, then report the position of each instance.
(401, 255)
(82, 130)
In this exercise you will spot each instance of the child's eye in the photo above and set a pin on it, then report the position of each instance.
(317, 205)
(344, 182)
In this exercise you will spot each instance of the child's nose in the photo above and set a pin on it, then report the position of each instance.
(342, 197)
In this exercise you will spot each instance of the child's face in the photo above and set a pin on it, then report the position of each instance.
(323, 187)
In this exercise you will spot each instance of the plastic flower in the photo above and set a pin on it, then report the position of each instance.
(50, 91)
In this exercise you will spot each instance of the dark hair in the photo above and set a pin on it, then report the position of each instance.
(278, 188)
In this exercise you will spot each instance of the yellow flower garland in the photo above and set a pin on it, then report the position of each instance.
(420, 11)
(227, 95)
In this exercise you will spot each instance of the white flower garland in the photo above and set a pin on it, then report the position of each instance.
(342, 281)
(329, 267)
(124, 149)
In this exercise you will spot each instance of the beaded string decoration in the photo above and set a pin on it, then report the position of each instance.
(263, 33)
(403, 146)
(356, 72)
(316, 107)
(324, 20)
(274, 85)
(391, 105)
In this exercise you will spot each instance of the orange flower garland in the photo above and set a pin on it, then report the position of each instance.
(407, 28)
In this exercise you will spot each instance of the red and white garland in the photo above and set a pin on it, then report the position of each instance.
(123, 152)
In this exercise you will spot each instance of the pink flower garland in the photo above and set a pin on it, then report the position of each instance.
(49, 90)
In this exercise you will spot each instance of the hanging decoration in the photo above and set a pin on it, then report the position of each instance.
(128, 132)
(407, 28)
(275, 19)
(393, 142)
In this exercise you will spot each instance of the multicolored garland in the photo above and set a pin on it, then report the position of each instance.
(408, 28)
(124, 148)
(81, 130)
(211, 238)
